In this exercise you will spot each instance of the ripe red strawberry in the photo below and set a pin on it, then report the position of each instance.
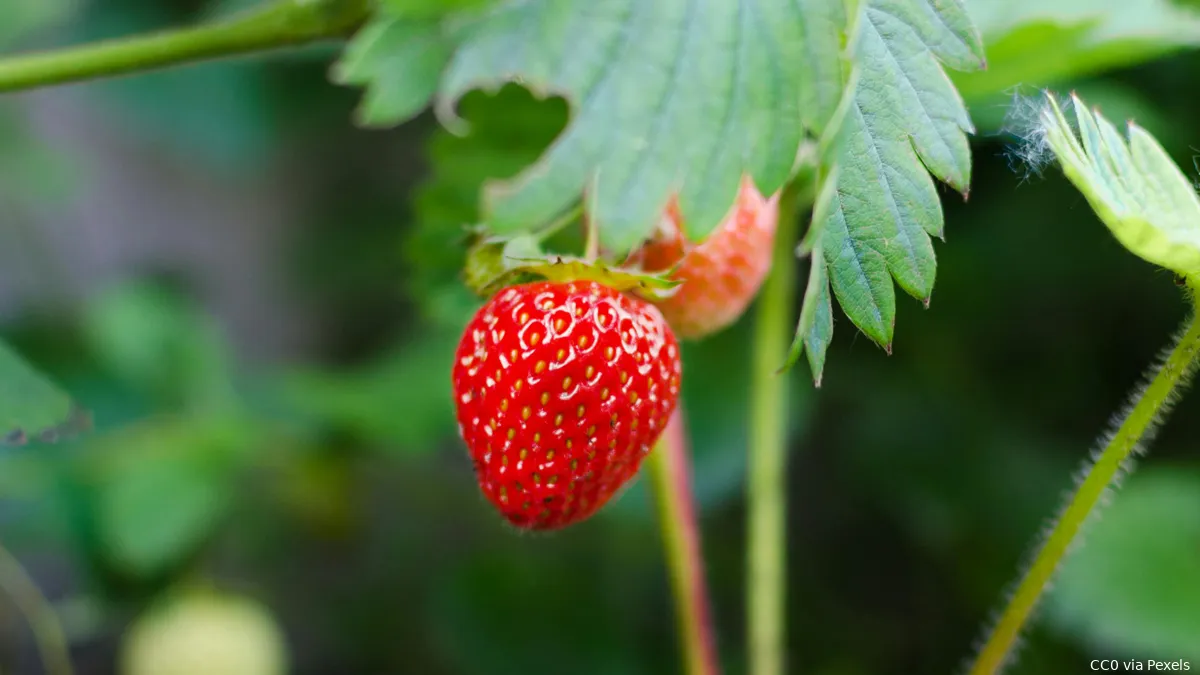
(723, 273)
(561, 390)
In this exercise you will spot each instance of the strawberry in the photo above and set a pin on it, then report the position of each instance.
(722, 274)
(561, 389)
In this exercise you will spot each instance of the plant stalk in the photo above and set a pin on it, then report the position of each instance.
(43, 621)
(285, 23)
(1149, 408)
(766, 477)
(670, 471)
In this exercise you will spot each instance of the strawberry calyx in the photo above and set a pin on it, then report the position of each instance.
(495, 262)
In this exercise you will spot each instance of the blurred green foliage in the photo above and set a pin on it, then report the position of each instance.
(1108, 597)
(26, 18)
(1035, 43)
(330, 483)
(34, 407)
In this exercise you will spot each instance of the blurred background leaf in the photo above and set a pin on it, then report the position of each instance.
(1134, 587)
(160, 488)
(30, 172)
(399, 400)
(161, 345)
(24, 19)
(1036, 43)
(30, 405)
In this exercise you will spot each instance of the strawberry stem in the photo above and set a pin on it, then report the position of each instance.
(670, 471)
(1150, 405)
(766, 479)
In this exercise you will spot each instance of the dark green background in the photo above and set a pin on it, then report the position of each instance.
(286, 428)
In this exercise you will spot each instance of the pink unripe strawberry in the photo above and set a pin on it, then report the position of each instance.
(721, 274)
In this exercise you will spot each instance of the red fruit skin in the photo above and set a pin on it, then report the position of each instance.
(723, 273)
(561, 390)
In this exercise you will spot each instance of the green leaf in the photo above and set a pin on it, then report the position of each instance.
(1134, 588)
(819, 333)
(678, 96)
(401, 60)
(162, 344)
(814, 330)
(1037, 43)
(507, 131)
(32, 407)
(668, 96)
(1132, 184)
(657, 88)
(905, 122)
(158, 511)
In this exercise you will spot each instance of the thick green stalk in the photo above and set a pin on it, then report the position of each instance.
(285, 23)
(670, 471)
(766, 533)
(1149, 408)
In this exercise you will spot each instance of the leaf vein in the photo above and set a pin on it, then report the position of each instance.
(856, 258)
(660, 116)
(916, 93)
(889, 195)
(949, 29)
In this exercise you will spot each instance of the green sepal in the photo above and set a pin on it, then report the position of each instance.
(494, 263)
(491, 258)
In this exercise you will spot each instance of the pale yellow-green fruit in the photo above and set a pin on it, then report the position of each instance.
(205, 633)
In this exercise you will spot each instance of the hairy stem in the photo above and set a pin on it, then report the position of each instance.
(766, 545)
(43, 622)
(284, 23)
(1149, 408)
(670, 471)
